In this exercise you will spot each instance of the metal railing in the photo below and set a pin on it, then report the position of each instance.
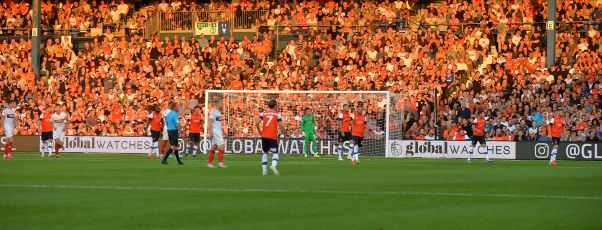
(176, 22)
(211, 16)
(152, 26)
(580, 26)
(248, 20)
(183, 22)
(15, 32)
(45, 32)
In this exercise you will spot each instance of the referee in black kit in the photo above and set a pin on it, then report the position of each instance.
(173, 125)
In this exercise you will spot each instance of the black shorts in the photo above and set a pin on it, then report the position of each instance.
(173, 137)
(357, 141)
(344, 136)
(476, 139)
(194, 137)
(269, 145)
(155, 135)
(555, 141)
(46, 136)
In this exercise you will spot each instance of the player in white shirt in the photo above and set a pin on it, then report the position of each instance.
(216, 134)
(165, 136)
(9, 121)
(59, 120)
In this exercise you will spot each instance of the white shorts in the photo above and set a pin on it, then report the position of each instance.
(58, 134)
(165, 136)
(8, 131)
(218, 139)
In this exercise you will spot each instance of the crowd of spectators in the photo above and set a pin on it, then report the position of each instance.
(88, 17)
(82, 17)
(494, 66)
(15, 17)
(348, 14)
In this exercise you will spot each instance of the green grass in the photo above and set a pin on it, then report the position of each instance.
(129, 192)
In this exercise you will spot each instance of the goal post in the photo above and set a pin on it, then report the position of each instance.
(241, 109)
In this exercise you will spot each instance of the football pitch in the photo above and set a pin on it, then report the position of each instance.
(90, 191)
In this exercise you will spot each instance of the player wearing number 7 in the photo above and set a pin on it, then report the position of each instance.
(308, 125)
(268, 125)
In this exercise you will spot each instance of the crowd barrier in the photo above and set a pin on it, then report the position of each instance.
(450, 149)
(119, 144)
(588, 151)
(566, 151)
(23, 143)
(496, 150)
(114, 144)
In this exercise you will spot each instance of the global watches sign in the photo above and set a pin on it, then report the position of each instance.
(449, 149)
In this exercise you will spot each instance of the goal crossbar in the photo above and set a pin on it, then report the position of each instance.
(292, 91)
(387, 95)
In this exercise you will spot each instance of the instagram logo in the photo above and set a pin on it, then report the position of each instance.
(542, 150)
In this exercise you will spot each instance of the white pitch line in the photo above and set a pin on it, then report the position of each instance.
(245, 190)
(314, 162)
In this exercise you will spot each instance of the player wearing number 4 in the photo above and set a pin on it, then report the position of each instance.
(216, 134)
(308, 125)
(359, 128)
(344, 131)
(268, 125)
(155, 124)
(194, 132)
(557, 124)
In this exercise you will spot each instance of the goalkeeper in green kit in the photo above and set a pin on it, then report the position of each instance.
(308, 126)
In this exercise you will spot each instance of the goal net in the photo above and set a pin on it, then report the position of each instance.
(241, 110)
